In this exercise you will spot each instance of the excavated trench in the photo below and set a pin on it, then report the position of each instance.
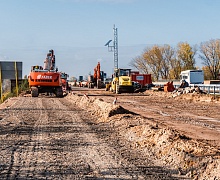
(150, 142)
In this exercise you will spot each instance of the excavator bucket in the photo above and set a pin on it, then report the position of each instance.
(169, 87)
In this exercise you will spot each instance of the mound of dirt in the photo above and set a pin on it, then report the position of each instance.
(164, 146)
(171, 149)
(195, 97)
(98, 106)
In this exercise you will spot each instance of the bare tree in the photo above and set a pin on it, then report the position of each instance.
(167, 53)
(155, 60)
(140, 64)
(211, 56)
(164, 61)
(207, 74)
(153, 57)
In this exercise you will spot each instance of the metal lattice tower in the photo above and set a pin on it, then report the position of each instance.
(114, 48)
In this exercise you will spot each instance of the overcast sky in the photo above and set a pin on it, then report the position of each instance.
(78, 29)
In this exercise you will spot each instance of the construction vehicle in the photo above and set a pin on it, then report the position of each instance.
(97, 79)
(143, 79)
(65, 84)
(121, 82)
(169, 87)
(90, 81)
(45, 79)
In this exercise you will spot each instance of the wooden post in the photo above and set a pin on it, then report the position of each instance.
(16, 78)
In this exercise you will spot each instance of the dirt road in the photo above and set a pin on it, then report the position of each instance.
(50, 138)
(85, 136)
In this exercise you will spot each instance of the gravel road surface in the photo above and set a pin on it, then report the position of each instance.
(51, 138)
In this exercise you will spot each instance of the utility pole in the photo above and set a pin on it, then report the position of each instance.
(114, 48)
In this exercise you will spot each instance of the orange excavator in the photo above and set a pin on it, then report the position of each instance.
(45, 79)
(65, 84)
(97, 78)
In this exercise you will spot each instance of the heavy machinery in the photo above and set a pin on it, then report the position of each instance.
(45, 79)
(65, 84)
(121, 81)
(96, 80)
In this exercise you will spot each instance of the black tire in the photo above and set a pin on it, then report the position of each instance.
(34, 92)
(59, 92)
(99, 84)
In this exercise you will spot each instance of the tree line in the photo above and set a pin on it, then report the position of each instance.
(166, 62)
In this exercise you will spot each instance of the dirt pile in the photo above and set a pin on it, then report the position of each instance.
(161, 145)
(98, 106)
(194, 96)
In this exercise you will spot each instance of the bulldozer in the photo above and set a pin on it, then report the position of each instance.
(45, 79)
(121, 82)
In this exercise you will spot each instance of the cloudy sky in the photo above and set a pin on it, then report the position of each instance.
(78, 29)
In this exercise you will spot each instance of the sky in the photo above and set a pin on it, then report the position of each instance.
(77, 30)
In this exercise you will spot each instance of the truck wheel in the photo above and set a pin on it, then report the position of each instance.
(34, 92)
(99, 84)
(59, 92)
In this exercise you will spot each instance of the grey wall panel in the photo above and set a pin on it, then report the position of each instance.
(8, 69)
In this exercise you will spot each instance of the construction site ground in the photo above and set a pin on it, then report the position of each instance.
(149, 135)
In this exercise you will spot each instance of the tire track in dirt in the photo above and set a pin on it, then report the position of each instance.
(23, 151)
(50, 140)
(95, 153)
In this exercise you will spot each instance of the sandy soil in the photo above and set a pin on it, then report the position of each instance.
(195, 115)
(84, 136)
